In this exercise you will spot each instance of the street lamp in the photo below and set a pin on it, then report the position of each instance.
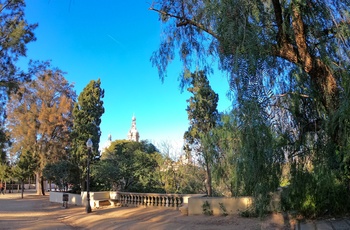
(89, 146)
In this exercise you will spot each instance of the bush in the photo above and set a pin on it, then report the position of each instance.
(315, 193)
(207, 209)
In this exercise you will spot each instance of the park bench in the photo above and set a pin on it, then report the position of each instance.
(103, 198)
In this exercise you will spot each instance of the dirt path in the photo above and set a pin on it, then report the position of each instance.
(36, 212)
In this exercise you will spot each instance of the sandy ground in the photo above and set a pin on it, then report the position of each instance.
(36, 212)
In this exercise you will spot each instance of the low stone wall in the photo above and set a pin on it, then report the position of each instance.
(186, 197)
(73, 199)
(232, 205)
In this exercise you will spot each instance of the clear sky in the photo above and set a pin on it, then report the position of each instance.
(113, 40)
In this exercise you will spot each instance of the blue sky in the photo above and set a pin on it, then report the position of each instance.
(114, 40)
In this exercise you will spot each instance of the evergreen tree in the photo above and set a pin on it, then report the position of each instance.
(60, 173)
(24, 168)
(87, 114)
(203, 116)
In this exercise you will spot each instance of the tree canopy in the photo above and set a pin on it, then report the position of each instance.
(15, 34)
(129, 166)
(39, 118)
(249, 37)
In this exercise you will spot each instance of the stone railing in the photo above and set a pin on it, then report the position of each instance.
(127, 198)
(150, 199)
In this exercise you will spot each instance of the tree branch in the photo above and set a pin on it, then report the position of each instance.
(183, 21)
(300, 39)
(288, 93)
(4, 6)
(279, 20)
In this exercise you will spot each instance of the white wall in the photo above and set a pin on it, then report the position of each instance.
(73, 199)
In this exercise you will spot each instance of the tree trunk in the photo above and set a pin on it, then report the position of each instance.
(37, 183)
(22, 188)
(321, 75)
(40, 188)
(42, 185)
(208, 181)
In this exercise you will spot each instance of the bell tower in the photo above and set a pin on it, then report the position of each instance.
(133, 134)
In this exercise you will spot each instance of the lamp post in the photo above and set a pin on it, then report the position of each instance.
(89, 146)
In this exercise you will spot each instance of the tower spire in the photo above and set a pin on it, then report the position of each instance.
(133, 134)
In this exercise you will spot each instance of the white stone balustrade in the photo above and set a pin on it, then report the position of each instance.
(127, 199)
(150, 199)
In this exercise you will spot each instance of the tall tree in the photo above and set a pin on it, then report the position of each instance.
(15, 34)
(203, 116)
(40, 119)
(87, 114)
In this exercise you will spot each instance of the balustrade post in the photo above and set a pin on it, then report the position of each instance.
(158, 200)
(166, 201)
(172, 201)
(176, 202)
(122, 197)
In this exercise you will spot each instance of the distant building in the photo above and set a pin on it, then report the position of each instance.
(133, 134)
(109, 141)
(107, 144)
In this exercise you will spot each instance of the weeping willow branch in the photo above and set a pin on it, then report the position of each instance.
(183, 21)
